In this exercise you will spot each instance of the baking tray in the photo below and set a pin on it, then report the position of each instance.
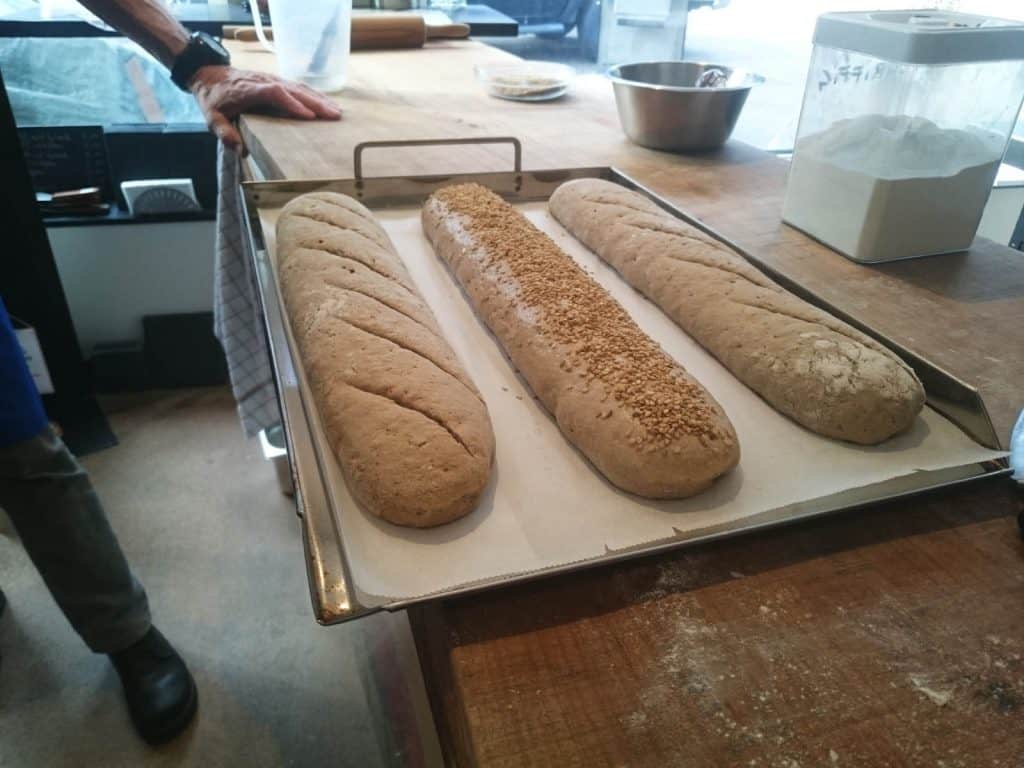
(334, 593)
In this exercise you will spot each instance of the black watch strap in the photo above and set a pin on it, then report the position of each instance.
(202, 51)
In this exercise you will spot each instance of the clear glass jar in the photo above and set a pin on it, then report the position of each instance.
(896, 159)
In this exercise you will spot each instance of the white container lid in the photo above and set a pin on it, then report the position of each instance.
(923, 37)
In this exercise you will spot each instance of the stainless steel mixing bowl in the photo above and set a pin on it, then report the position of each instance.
(661, 106)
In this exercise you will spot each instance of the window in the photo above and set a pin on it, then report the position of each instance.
(89, 81)
(760, 36)
(86, 81)
(769, 37)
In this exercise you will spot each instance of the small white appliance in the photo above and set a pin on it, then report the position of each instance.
(147, 197)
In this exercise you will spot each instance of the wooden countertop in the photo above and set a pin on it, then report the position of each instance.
(886, 637)
(963, 311)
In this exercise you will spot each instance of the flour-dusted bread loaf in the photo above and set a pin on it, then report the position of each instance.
(408, 427)
(817, 370)
(645, 423)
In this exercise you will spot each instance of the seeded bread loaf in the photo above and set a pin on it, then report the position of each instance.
(408, 427)
(817, 370)
(645, 423)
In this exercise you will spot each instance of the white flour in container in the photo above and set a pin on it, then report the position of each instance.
(880, 187)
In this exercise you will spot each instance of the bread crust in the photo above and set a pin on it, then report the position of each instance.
(409, 429)
(807, 364)
(646, 424)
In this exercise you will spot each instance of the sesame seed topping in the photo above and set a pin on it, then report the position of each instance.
(567, 306)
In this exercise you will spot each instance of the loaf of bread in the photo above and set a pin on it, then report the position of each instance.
(645, 423)
(408, 427)
(817, 370)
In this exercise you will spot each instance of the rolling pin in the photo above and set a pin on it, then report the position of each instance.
(395, 30)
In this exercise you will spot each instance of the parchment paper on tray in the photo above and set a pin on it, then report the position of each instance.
(546, 506)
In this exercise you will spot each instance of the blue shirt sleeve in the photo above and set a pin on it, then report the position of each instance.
(21, 409)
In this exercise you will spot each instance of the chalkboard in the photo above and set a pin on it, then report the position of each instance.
(66, 157)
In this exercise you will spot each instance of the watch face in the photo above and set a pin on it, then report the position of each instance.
(202, 51)
(214, 43)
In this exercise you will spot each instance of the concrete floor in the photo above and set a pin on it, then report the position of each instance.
(217, 546)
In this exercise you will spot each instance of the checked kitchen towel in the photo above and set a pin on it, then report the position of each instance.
(237, 320)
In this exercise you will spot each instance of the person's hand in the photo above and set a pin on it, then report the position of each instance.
(224, 93)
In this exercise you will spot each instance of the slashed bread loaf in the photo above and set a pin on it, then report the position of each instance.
(645, 423)
(817, 370)
(408, 427)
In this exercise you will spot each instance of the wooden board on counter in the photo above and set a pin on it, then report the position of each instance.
(892, 637)
(962, 311)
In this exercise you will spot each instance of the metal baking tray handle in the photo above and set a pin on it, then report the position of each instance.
(357, 158)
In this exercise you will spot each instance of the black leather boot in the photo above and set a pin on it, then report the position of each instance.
(160, 691)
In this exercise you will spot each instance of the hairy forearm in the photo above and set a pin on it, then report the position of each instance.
(148, 22)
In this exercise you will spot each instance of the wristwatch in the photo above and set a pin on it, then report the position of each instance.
(202, 50)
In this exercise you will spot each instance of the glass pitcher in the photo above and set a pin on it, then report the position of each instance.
(311, 40)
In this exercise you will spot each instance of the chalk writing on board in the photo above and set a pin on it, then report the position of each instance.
(66, 157)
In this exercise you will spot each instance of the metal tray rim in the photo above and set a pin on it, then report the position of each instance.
(698, 538)
(333, 575)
